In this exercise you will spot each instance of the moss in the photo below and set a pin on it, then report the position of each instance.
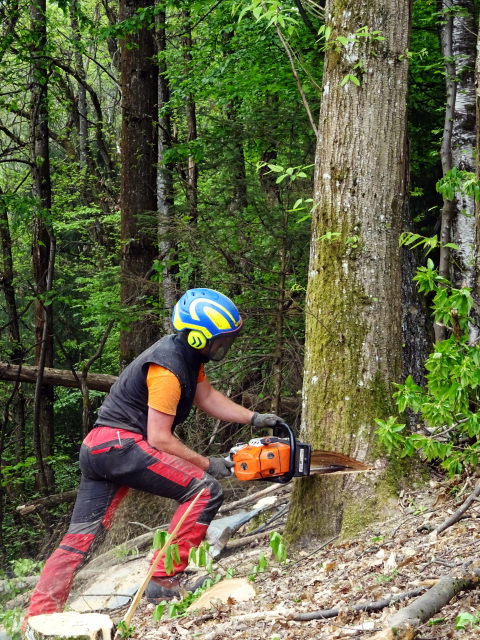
(313, 512)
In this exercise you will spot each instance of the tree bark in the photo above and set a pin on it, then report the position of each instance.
(353, 315)
(138, 200)
(43, 244)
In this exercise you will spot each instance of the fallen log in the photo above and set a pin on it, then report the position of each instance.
(455, 517)
(403, 623)
(56, 377)
(47, 501)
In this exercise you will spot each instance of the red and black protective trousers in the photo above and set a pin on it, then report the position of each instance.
(113, 460)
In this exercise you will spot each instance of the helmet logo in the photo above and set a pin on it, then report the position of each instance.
(196, 339)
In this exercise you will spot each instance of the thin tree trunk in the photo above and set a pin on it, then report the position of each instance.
(138, 192)
(279, 322)
(42, 242)
(192, 173)
(353, 351)
(449, 206)
(16, 353)
(165, 194)
(272, 192)
(477, 165)
(82, 92)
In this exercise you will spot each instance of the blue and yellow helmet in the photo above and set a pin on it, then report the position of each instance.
(207, 315)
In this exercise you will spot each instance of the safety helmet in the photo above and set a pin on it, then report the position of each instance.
(210, 318)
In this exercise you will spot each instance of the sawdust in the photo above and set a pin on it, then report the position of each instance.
(388, 558)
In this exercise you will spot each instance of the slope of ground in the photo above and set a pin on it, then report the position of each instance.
(389, 558)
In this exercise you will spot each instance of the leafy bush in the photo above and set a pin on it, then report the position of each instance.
(449, 422)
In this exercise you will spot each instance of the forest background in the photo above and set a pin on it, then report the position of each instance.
(149, 148)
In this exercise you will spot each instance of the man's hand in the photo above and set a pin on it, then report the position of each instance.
(220, 468)
(264, 420)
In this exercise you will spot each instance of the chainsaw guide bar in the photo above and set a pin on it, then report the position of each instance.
(331, 462)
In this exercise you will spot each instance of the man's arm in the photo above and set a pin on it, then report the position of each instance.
(160, 436)
(219, 406)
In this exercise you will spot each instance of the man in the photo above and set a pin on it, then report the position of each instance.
(132, 444)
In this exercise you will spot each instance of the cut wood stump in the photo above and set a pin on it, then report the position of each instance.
(71, 625)
(237, 589)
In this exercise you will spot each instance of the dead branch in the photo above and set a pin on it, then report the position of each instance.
(60, 377)
(253, 497)
(456, 516)
(377, 605)
(241, 542)
(403, 623)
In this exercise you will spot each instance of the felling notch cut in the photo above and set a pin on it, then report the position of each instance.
(280, 457)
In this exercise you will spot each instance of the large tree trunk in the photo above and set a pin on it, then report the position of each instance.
(353, 314)
(138, 193)
(43, 244)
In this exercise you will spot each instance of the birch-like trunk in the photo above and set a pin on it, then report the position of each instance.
(463, 139)
(458, 146)
(353, 313)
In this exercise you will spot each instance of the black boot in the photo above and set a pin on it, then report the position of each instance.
(165, 588)
(169, 587)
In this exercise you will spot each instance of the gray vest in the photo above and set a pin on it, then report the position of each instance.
(126, 404)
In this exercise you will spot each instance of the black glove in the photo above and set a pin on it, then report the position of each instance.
(264, 420)
(220, 468)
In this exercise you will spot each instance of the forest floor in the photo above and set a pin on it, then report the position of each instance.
(388, 558)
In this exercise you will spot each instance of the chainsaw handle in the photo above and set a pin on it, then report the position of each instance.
(277, 431)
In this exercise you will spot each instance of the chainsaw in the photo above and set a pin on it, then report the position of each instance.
(280, 457)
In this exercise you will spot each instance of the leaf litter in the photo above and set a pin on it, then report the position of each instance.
(386, 559)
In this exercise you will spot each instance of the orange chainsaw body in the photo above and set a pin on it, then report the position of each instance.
(261, 462)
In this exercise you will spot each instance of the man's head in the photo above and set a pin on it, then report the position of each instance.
(209, 320)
